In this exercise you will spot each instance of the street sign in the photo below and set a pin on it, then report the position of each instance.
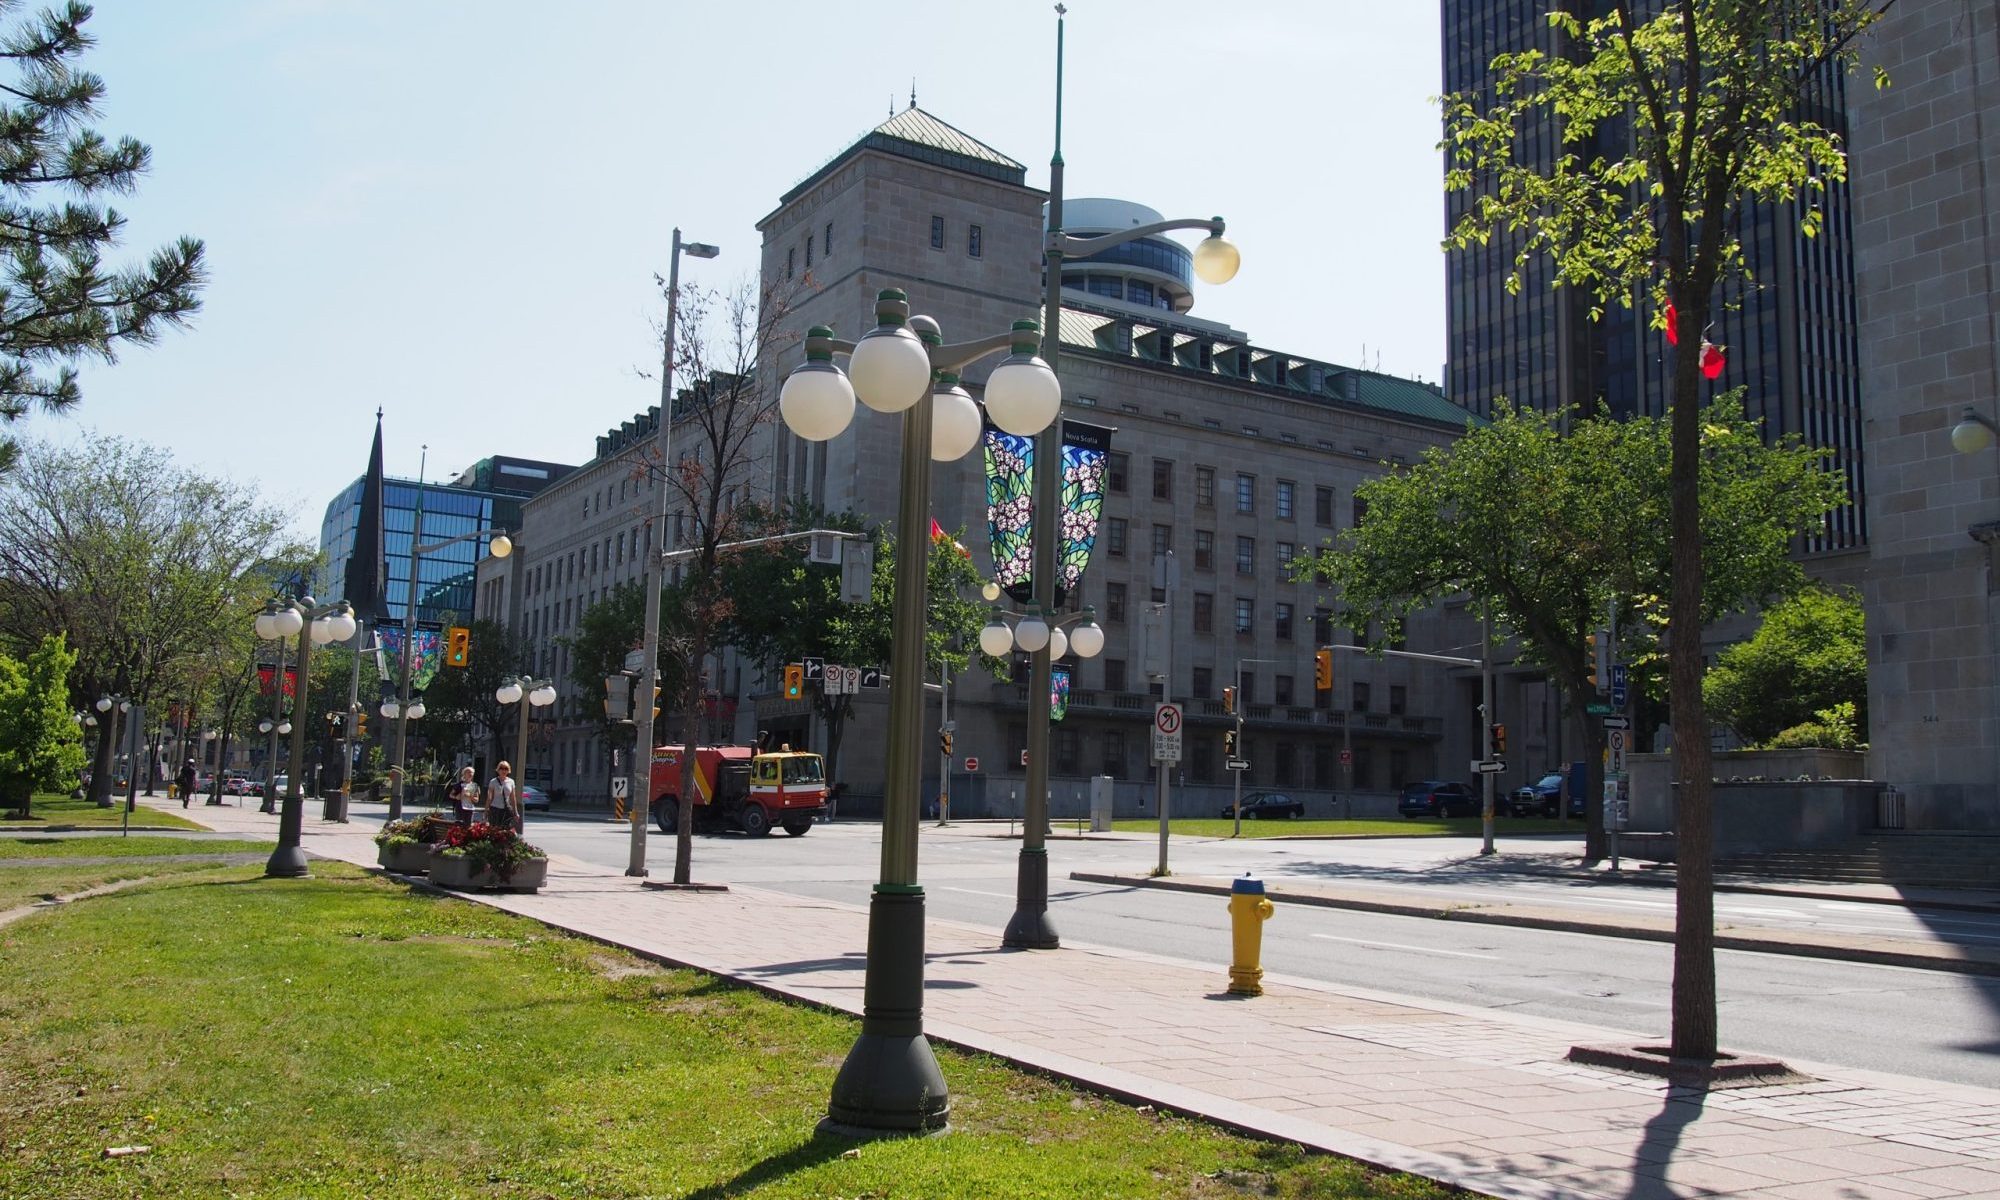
(815, 670)
(1597, 709)
(1167, 733)
(1239, 764)
(635, 660)
(1347, 758)
(971, 765)
(1489, 767)
(1618, 685)
(871, 677)
(1616, 721)
(1024, 756)
(621, 786)
(1614, 742)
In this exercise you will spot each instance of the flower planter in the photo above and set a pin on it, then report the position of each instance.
(460, 873)
(404, 860)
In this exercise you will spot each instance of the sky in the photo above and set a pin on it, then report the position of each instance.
(455, 211)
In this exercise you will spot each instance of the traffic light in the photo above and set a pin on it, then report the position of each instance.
(656, 702)
(944, 742)
(1591, 653)
(795, 680)
(1598, 651)
(458, 647)
(1323, 669)
(1499, 733)
(1229, 742)
(1229, 699)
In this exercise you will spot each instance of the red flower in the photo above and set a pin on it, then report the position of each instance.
(1712, 361)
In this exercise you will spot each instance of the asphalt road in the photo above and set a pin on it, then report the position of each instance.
(1928, 1024)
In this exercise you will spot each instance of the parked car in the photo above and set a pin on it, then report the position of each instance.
(280, 785)
(1268, 804)
(1438, 798)
(533, 799)
(1538, 799)
(238, 785)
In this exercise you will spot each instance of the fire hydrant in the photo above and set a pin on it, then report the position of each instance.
(1248, 910)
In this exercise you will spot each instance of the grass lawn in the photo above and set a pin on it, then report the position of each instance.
(146, 857)
(51, 809)
(111, 845)
(1419, 827)
(29, 885)
(342, 1036)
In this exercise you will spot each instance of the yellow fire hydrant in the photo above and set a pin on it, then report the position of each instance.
(1248, 910)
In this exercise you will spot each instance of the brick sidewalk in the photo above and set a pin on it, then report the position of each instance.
(1480, 1100)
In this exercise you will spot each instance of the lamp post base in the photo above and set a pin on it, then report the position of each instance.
(286, 862)
(890, 1083)
(1030, 927)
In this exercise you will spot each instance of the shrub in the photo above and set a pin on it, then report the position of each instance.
(493, 848)
(1833, 728)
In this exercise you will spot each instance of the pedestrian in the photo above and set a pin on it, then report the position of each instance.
(503, 798)
(463, 792)
(185, 782)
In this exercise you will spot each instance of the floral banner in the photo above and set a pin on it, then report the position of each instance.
(1058, 691)
(1010, 478)
(427, 656)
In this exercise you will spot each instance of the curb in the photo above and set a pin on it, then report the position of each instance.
(1723, 941)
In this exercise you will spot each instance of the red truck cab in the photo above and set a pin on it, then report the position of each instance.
(737, 787)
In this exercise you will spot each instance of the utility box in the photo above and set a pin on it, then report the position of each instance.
(857, 571)
(1100, 803)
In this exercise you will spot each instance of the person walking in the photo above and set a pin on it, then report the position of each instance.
(503, 798)
(184, 782)
(463, 792)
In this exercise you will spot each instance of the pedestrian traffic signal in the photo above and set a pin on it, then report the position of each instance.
(1229, 742)
(1499, 734)
(1323, 670)
(795, 680)
(944, 742)
(458, 647)
(1229, 699)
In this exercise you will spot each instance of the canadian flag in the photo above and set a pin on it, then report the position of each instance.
(1712, 360)
(939, 535)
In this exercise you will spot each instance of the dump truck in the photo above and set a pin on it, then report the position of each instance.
(741, 787)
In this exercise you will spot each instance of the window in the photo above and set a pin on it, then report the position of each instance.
(1204, 683)
(1322, 627)
(1399, 765)
(1284, 612)
(1204, 612)
(1323, 766)
(1115, 467)
(1163, 479)
(973, 238)
(1246, 556)
(937, 233)
(1282, 690)
(1360, 511)
(1163, 540)
(1246, 493)
(1201, 763)
(1114, 754)
(1204, 550)
(1114, 674)
(1360, 697)
(826, 239)
(1114, 537)
(809, 251)
(1246, 686)
(1246, 616)
(1068, 751)
(1398, 699)
(791, 259)
(1323, 506)
(1114, 603)
(1286, 490)
(1284, 764)
(1204, 487)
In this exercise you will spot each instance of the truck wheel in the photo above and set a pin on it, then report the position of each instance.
(754, 820)
(798, 828)
(668, 813)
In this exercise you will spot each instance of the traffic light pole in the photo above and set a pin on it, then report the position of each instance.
(1486, 748)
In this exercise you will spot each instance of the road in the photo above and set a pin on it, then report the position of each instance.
(1928, 1024)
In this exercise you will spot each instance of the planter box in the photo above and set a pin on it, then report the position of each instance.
(459, 873)
(404, 860)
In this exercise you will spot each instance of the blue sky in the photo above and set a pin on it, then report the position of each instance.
(455, 210)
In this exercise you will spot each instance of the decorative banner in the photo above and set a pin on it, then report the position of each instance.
(1058, 691)
(1010, 478)
(266, 673)
(427, 656)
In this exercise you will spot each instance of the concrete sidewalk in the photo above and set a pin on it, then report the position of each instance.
(1480, 1100)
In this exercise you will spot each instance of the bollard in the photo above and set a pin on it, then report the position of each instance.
(1248, 910)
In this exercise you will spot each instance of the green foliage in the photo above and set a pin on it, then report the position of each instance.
(1808, 657)
(1542, 528)
(612, 628)
(41, 745)
(460, 700)
(59, 302)
(1835, 728)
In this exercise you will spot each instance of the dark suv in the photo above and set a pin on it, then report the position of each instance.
(1538, 799)
(1437, 798)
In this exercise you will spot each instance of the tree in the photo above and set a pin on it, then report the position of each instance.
(612, 628)
(1669, 127)
(788, 609)
(145, 565)
(41, 744)
(460, 701)
(59, 302)
(1809, 655)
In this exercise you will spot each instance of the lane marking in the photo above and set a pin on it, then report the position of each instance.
(1401, 946)
(976, 892)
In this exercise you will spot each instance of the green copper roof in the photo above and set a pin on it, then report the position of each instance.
(914, 133)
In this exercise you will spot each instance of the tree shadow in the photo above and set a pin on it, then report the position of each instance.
(823, 1148)
(1662, 1136)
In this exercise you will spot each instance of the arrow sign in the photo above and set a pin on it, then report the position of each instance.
(1617, 722)
(815, 670)
(871, 677)
(1167, 734)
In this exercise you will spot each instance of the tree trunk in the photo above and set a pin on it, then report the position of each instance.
(1694, 1020)
(690, 740)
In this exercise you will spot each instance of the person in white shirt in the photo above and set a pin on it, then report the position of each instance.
(503, 798)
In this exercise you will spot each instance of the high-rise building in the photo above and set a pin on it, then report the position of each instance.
(1789, 326)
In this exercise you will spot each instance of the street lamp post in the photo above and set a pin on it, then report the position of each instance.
(890, 1081)
(283, 618)
(114, 706)
(656, 550)
(528, 692)
(1215, 261)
